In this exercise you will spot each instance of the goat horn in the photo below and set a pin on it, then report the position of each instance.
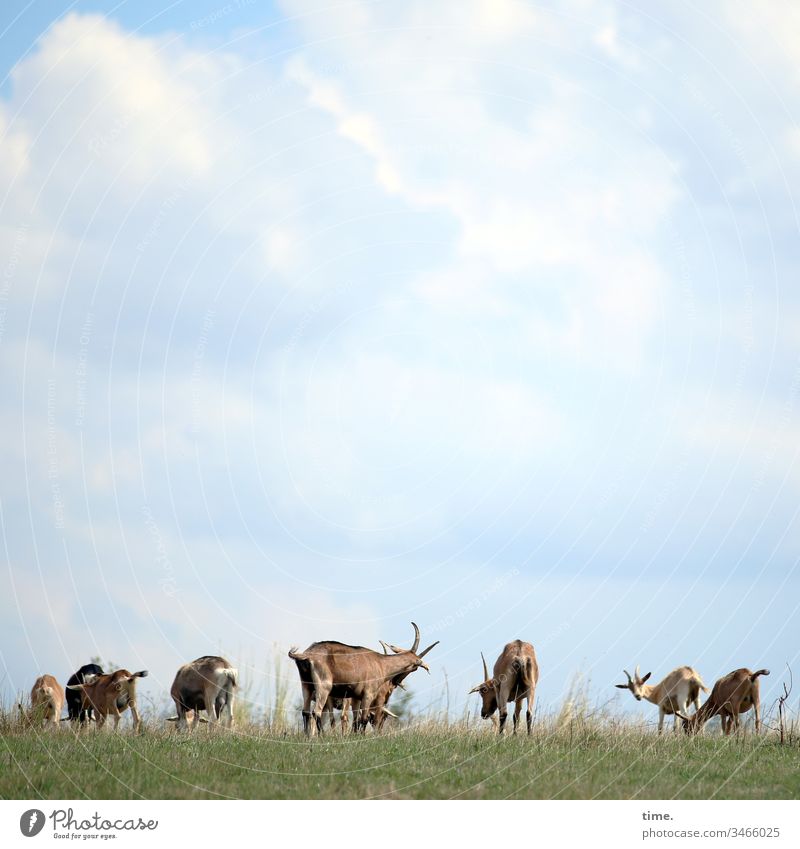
(416, 637)
(485, 668)
(385, 650)
(636, 671)
(423, 653)
(627, 673)
(389, 713)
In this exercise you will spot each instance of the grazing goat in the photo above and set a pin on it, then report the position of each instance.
(208, 683)
(332, 669)
(734, 694)
(515, 676)
(377, 713)
(113, 694)
(676, 692)
(75, 710)
(47, 700)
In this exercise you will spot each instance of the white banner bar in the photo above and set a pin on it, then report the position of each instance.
(595, 824)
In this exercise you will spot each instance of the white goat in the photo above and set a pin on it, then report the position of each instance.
(673, 695)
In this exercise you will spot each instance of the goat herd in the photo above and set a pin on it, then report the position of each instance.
(359, 681)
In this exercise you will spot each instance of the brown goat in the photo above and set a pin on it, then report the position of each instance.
(112, 693)
(339, 702)
(734, 694)
(377, 713)
(208, 683)
(515, 676)
(331, 669)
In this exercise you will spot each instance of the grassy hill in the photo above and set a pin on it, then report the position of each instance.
(573, 760)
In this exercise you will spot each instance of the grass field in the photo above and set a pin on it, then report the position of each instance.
(430, 761)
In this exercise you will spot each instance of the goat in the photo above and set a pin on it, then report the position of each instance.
(676, 692)
(331, 669)
(47, 700)
(734, 694)
(515, 676)
(113, 694)
(75, 710)
(208, 683)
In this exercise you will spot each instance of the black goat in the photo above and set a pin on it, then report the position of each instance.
(75, 709)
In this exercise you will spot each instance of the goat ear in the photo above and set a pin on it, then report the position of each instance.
(621, 686)
(646, 677)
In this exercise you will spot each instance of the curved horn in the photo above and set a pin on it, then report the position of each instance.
(389, 713)
(423, 653)
(627, 673)
(485, 668)
(636, 671)
(385, 650)
(416, 637)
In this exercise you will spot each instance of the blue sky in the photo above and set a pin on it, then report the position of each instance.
(316, 319)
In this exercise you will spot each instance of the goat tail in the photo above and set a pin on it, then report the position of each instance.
(760, 672)
(232, 674)
(304, 666)
(699, 681)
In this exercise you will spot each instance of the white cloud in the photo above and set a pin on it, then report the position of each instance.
(120, 99)
(569, 189)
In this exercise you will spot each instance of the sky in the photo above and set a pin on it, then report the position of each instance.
(317, 318)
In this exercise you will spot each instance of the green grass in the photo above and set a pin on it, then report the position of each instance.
(574, 760)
